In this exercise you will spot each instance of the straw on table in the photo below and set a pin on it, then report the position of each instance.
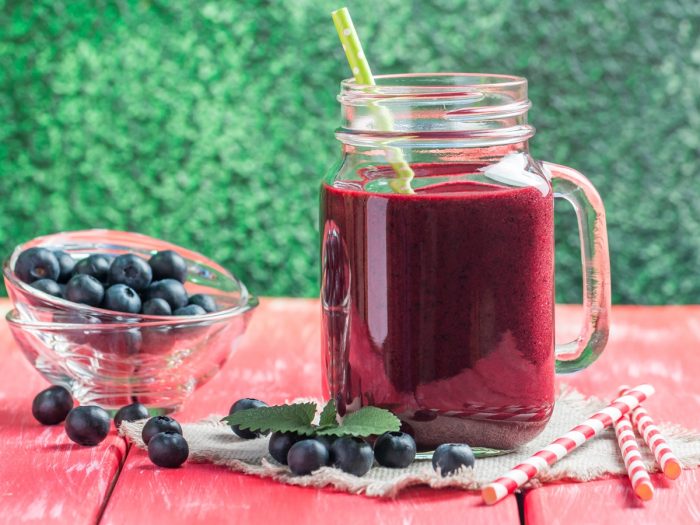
(637, 472)
(669, 463)
(363, 76)
(520, 474)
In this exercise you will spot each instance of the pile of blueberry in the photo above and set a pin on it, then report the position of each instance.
(88, 425)
(123, 283)
(304, 454)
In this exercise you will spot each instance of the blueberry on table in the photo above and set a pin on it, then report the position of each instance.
(168, 449)
(131, 270)
(168, 264)
(306, 456)
(84, 289)
(159, 424)
(205, 301)
(170, 290)
(132, 412)
(66, 264)
(190, 309)
(156, 307)
(245, 404)
(450, 457)
(352, 455)
(37, 263)
(95, 265)
(48, 286)
(280, 443)
(51, 406)
(327, 441)
(395, 449)
(87, 425)
(121, 298)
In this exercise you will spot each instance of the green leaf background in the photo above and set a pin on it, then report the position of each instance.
(210, 123)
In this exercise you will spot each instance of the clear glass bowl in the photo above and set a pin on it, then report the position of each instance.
(113, 359)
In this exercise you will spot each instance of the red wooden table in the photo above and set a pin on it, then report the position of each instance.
(46, 479)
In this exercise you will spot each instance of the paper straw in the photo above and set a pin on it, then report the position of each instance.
(637, 472)
(669, 463)
(363, 76)
(510, 481)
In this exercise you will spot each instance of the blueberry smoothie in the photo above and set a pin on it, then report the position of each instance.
(439, 305)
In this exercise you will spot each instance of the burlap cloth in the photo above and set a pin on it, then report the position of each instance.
(211, 441)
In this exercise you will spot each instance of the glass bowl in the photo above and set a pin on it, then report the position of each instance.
(113, 359)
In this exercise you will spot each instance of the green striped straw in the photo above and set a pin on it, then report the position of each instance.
(382, 117)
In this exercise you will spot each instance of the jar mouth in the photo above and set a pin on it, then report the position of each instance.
(433, 85)
(423, 110)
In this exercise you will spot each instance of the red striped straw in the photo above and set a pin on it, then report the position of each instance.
(637, 472)
(669, 463)
(519, 475)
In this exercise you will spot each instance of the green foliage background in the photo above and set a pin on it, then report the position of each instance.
(210, 123)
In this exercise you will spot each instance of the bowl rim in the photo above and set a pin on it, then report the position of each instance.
(247, 300)
(14, 319)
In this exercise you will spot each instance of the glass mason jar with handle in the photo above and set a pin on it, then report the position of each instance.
(438, 281)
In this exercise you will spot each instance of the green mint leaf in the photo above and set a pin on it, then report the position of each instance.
(328, 415)
(367, 421)
(281, 418)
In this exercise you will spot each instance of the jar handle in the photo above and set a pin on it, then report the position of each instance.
(572, 186)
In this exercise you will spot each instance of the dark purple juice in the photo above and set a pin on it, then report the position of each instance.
(439, 306)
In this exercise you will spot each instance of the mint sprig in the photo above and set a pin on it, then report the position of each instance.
(298, 418)
(282, 418)
(328, 416)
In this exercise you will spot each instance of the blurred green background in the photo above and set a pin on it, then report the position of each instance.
(209, 124)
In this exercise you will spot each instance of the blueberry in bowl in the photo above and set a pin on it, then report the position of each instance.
(126, 337)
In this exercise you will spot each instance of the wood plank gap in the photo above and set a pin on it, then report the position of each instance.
(113, 484)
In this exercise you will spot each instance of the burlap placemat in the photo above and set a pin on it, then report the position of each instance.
(211, 441)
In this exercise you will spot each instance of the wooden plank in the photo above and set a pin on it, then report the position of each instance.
(658, 345)
(278, 361)
(44, 478)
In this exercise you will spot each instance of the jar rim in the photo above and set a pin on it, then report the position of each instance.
(402, 84)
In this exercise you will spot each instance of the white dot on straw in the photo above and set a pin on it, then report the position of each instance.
(346, 32)
(356, 70)
(360, 55)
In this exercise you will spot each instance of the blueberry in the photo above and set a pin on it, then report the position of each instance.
(96, 265)
(395, 449)
(118, 343)
(190, 309)
(170, 290)
(280, 443)
(131, 270)
(37, 263)
(205, 301)
(168, 265)
(168, 449)
(48, 286)
(245, 404)
(87, 425)
(66, 264)
(450, 457)
(51, 406)
(121, 298)
(306, 456)
(156, 307)
(352, 455)
(84, 289)
(327, 441)
(132, 412)
(159, 424)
